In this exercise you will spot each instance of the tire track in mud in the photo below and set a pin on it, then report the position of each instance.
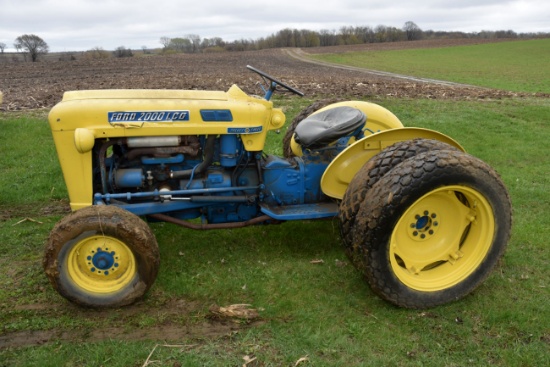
(122, 324)
(299, 54)
(170, 332)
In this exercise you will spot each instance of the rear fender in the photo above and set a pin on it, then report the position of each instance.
(343, 168)
(378, 117)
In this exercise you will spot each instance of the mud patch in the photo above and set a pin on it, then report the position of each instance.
(166, 333)
(172, 329)
(58, 207)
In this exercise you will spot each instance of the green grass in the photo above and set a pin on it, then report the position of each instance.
(325, 312)
(520, 66)
(39, 173)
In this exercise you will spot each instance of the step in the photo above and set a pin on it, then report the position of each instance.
(301, 211)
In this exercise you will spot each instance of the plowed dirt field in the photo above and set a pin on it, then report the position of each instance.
(41, 84)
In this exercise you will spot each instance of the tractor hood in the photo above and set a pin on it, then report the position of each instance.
(144, 94)
(95, 114)
(122, 113)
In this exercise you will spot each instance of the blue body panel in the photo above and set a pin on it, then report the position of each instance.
(301, 212)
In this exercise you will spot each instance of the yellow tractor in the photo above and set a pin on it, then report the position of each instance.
(424, 221)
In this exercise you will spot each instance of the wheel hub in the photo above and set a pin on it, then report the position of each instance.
(424, 227)
(102, 261)
(101, 264)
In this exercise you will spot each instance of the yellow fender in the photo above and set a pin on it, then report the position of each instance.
(343, 168)
(378, 119)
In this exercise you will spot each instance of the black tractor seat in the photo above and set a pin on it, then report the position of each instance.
(325, 127)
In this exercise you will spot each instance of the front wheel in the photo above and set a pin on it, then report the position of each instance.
(101, 256)
(432, 229)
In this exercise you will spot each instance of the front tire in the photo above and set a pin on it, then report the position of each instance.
(432, 229)
(101, 256)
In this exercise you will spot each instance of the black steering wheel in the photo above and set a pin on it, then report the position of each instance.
(274, 82)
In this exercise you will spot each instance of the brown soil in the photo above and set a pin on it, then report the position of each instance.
(8, 212)
(173, 326)
(41, 84)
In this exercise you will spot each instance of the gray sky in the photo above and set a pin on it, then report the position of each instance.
(79, 25)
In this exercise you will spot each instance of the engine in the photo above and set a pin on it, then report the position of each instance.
(190, 170)
(212, 177)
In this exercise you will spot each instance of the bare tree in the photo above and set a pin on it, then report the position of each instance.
(348, 35)
(328, 37)
(212, 42)
(165, 42)
(381, 33)
(2, 47)
(97, 53)
(179, 44)
(412, 31)
(195, 41)
(122, 51)
(32, 45)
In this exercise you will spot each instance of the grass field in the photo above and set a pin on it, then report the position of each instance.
(520, 66)
(318, 314)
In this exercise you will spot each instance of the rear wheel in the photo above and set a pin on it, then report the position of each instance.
(101, 256)
(373, 171)
(432, 229)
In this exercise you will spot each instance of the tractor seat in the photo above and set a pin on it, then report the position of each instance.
(325, 127)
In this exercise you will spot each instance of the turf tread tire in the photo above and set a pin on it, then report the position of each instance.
(372, 172)
(387, 200)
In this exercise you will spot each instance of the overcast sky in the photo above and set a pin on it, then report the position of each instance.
(79, 25)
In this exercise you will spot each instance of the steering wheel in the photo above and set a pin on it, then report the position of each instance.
(274, 83)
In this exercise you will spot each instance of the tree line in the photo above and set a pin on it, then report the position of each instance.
(32, 46)
(346, 35)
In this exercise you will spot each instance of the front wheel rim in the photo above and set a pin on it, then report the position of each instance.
(442, 238)
(101, 264)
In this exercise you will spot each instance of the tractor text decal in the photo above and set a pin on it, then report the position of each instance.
(148, 116)
(244, 130)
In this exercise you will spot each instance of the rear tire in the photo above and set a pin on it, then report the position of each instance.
(432, 229)
(101, 256)
(373, 171)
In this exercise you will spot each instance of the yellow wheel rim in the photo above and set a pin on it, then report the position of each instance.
(101, 264)
(442, 238)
